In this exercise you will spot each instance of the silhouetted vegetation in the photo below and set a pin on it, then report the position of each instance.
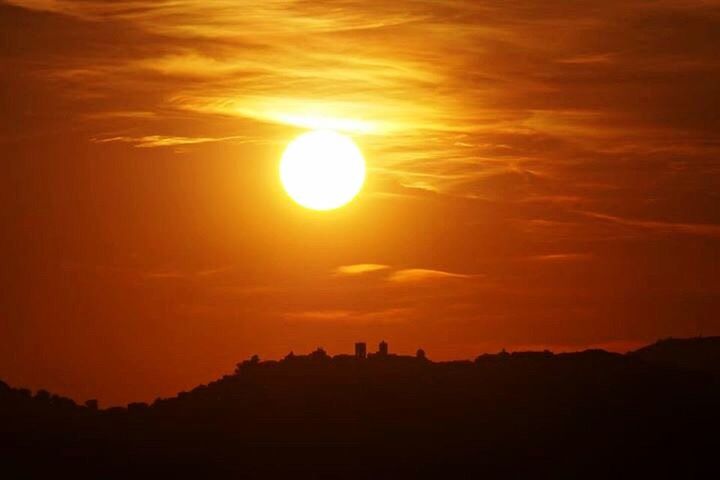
(593, 414)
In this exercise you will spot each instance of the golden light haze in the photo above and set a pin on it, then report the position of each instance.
(540, 174)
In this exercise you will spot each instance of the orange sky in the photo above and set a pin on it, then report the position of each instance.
(540, 174)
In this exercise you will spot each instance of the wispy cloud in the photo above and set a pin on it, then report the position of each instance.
(589, 59)
(150, 141)
(360, 268)
(411, 275)
(560, 257)
(184, 274)
(702, 229)
(403, 275)
(388, 315)
(448, 94)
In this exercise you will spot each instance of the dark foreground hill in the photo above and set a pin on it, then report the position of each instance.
(591, 414)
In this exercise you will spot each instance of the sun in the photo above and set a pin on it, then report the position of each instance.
(322, 170)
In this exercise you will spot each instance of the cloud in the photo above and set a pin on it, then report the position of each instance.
(121, 114)
(150, 141)
(560, 257)
(320, 315)
(501, 117)
(407, 275)
(178, 274)
(701, 229)
(360, 268)
(589, 59)
(412, 275)
(388, 315)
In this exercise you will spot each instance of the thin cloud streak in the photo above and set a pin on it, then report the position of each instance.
(151, 141)
(560, 257)
(360, 268)
(404, 275)
(413, 275)
(701, 229)
(384, 316)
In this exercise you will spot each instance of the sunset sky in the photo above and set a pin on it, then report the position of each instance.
(539, 175)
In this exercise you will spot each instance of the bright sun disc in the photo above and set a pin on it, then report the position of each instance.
(322, 170)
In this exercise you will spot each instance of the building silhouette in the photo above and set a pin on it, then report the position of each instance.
(361, 350)
(383, 349)
(319, 354)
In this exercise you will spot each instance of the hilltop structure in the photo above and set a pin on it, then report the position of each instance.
(360, 354)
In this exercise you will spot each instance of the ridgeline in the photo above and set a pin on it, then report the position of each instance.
(591, 414)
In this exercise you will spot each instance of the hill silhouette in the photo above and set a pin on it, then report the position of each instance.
(701, 353)
(592, 414)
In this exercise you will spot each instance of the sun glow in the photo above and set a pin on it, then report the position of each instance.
(322, 170)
